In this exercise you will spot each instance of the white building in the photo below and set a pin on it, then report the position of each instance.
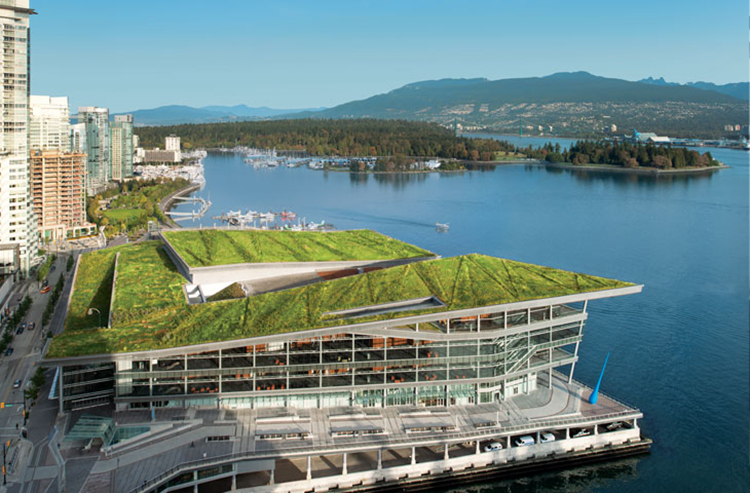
(49, 123)
(172, 143)
(18, 226)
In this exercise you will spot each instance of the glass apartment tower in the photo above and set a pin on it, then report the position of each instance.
(98, 170)
(18, 235)
(121, 147)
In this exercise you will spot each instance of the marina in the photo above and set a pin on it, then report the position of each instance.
(271, 220)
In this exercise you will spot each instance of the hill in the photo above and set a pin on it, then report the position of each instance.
(176, 114)
(571, 103)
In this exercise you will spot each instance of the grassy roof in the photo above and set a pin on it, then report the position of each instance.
(150, 311)
(202, 248)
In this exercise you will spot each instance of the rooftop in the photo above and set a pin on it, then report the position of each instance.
(209, 247)
(150, 310)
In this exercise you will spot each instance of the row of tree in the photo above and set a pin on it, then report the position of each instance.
(623, 154)
(345, 138)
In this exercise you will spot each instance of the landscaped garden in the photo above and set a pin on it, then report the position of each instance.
(201, 248)
(150, 310)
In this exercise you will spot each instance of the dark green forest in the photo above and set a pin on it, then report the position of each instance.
(343, 138)
(622, 154)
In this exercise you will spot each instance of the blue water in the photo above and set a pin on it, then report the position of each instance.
(679, 349)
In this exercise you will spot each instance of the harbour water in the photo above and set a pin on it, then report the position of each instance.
(679, 351)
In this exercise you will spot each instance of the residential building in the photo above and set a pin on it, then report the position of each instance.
(172, 143)
(350, 343)
(58, 179)
(18, 236)
(161, 156)
(49, 123)
(121, 147)
(96, 121)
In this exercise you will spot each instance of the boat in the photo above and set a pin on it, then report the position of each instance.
(443, 226)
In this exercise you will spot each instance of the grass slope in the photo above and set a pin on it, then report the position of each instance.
(151, 312)
(202, 248)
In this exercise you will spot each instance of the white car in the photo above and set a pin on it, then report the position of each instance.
(493, 447)
(582, 433)
(615, 426)
(525, 441)
(546, 437)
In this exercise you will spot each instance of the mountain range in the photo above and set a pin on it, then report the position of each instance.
(739, 90)
(175, 114)
(566, 103)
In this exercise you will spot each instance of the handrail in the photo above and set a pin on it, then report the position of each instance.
(374, 445)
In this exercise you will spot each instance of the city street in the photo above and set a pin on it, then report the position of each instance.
(21, 364)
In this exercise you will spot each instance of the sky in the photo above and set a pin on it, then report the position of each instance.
(304, 54)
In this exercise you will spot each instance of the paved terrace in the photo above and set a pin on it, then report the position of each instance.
(203, 436)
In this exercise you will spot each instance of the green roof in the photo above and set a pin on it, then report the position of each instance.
(150, 310)
(207, 247)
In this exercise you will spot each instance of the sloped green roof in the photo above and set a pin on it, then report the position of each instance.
(207, 247)
(150, 311)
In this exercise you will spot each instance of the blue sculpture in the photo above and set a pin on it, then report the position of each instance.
(595, 394)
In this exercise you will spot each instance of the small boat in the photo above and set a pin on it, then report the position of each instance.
(443, 226)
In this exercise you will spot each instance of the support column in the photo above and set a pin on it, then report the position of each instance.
(380, 460)
(538, 437)
(343, 469)
(234, 482)
(309, 468)
(413, 456)
(272, 481)
(507, 443)
(477, 448)
(596, 430)
(195, 478)
(567, 433)
(445, 452)
(60, 381)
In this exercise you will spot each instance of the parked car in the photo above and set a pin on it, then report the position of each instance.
(615, 426)
(45, 283)
(32, 326)
(546, 437)
(52, 269)
(45, 290)
(23, 325)
(19, 330)
(525, 441)
(9, 351)
(17, 384)
(583, 432)
(493, 447)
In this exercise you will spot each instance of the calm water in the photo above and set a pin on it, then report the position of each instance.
(679, 349)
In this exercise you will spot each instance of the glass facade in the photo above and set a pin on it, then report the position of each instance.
(451, 361)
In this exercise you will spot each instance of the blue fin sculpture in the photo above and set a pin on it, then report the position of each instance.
(595, 394)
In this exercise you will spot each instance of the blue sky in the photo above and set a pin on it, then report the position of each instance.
(293, 54)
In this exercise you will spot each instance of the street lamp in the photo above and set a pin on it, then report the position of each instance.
(91, 312)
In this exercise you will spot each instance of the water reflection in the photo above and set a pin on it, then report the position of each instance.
(584, 478)
(621, 178)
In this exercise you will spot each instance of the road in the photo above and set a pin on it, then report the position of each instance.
(27, 350)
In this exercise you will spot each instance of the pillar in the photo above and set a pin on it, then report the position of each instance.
(478, 451)
(195, 478)
(445, 452)
(380, 460)
(596, 429)
(507, 442)
(343, 469)
(567, 433)
(234, 482)
(272, 480)
(309, 468)
(413, 456)
(538, 437)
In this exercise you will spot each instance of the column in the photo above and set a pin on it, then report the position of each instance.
(413, 456)
(380, 460)
(445, 452)
(234, 482)
(567, 433)
(60, 381)
(272, 480)
(195, 478)
(477, 448)
(309, 468)
(343, 469)
(507, 443)
(538, 437)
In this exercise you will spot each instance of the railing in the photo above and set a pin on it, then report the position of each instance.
(374, 445)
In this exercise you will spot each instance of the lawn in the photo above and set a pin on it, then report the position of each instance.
(127, 216)
(151, 311)
(202, 248)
